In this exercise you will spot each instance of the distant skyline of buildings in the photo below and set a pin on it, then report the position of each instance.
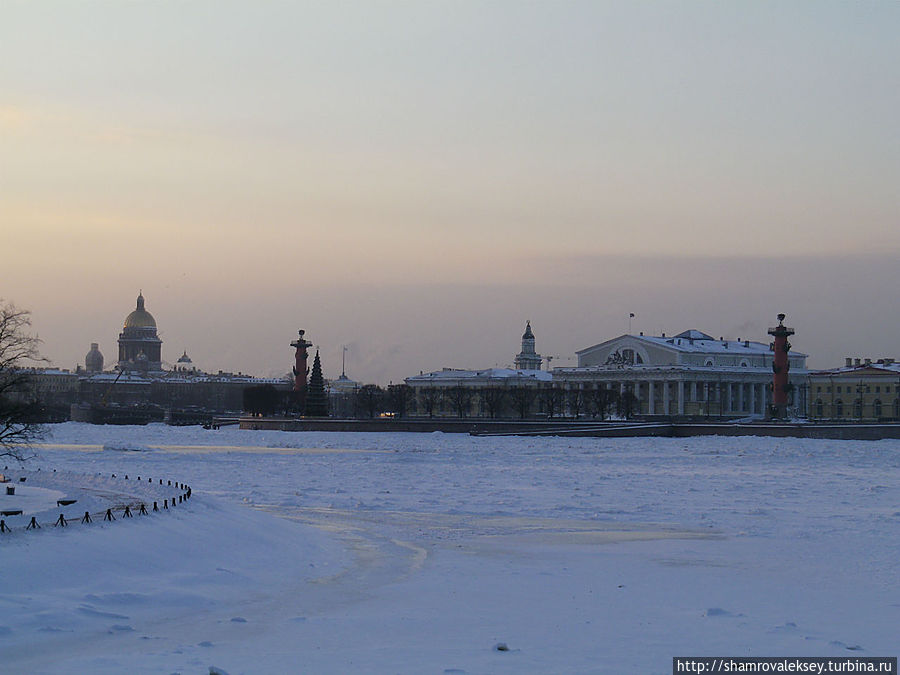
(689, 374)
(140, 350)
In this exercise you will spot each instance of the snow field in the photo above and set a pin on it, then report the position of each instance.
(420, 553)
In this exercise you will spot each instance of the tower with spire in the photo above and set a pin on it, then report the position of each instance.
(528, 359)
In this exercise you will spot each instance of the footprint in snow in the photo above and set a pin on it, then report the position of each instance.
(238, 619)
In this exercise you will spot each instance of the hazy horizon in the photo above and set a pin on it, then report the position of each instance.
(416, 180)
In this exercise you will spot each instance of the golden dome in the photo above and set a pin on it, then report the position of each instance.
(140, 317)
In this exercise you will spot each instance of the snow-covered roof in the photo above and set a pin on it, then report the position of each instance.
(452, 374)
(874, 368)
(697, 342)
(168, 376)
(647, 367)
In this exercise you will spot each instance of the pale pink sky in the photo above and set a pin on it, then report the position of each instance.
(415, 180)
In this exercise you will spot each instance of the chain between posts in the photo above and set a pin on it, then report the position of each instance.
(125, 510)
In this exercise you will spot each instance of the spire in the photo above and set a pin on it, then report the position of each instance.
(528, 335)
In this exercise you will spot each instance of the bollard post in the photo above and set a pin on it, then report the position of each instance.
(109, 515)
(61, 521)
(3, 527)
(127, 513)
(87, 517)
(170, 483)
(126, 476)
(165, 503)
(160, 481)
(155, 507)
(143, 510)
(33, 525)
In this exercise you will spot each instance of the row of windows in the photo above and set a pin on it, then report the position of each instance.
(856, 389)
(840, 411)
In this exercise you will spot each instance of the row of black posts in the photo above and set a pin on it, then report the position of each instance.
(109, 517)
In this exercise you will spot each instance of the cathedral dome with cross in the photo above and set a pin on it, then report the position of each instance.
(139, 345)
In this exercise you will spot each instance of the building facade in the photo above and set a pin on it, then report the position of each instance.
(691, 374)
(488, 392)
(862, 390)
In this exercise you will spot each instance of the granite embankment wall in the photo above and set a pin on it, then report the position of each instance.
(589, 429)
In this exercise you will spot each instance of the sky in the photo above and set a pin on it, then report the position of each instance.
(415, 180)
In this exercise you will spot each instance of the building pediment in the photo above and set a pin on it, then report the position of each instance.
(627, 350)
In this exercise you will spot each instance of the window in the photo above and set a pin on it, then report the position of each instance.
(839, 408)
(819, 408)
(828, 389)
(857, 408)
(876, 407)
(709, 363)
(839, 390)
(877, 390)
(897, 408)
(819, 388)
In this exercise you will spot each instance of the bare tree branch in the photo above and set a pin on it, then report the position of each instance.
(18, 406)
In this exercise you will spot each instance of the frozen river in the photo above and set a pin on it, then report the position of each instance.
(412, 553)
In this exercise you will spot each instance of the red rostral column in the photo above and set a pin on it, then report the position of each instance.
(300, 368)
(780, 367)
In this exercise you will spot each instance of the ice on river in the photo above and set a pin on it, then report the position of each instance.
(412, 553)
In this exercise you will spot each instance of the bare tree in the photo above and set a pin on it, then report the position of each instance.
(399, 399)
(369, 400)
(431, 399)
(628, 403)
(575, 400)
(551, 398)
(460, 399)
(18, 407)
(600, 400)
(493, 398)
(522, 398)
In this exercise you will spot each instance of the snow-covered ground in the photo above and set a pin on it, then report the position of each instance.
(420, 553)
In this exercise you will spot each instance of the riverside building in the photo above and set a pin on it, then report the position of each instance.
(691, 374)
